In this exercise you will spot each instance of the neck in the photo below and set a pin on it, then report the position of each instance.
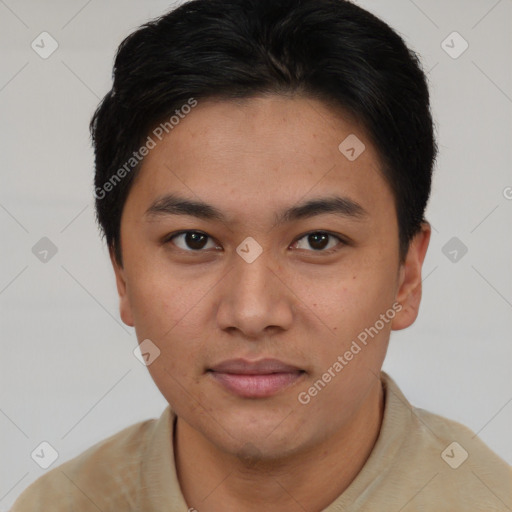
(212, 481)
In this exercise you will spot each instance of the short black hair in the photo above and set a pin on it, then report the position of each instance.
(331, 50)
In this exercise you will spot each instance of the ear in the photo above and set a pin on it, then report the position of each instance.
(409, 281)
(125, 309)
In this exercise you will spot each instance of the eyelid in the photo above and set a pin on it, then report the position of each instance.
(343, 240)
(168, 238)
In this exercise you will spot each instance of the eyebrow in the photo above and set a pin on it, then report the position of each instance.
(172, 204)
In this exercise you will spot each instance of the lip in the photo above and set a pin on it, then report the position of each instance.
(255, 379)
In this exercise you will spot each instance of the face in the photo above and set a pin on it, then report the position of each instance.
(255, 253)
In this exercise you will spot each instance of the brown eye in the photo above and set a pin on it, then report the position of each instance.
(319, 241)
(191, 241)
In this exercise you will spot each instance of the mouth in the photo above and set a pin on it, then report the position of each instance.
(258, 379)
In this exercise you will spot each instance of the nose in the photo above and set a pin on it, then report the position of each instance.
(255, 298)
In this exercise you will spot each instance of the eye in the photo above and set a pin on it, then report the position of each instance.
(319, 241)
(191, 241)
(197, 241)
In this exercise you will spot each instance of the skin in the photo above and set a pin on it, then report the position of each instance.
(252, 159)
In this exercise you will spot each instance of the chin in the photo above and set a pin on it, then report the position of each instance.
(262, 451)
(254, 441)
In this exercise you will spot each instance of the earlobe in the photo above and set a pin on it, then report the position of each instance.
(409, 285)
(124, 302)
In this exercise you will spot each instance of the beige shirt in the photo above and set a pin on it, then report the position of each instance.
(420, 462)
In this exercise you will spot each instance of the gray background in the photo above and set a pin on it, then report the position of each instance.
(68, 374)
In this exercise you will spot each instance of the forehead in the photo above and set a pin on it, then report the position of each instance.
(260, 153)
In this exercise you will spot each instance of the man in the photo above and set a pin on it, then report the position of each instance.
(262, 172)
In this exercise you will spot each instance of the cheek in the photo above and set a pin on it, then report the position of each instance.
(172, 317)
(163, 301)
(173, 312)
(345, 304)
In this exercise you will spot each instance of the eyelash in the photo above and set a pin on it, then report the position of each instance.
(328, 251)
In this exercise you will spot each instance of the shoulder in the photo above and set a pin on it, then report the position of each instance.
(106, 472)
(457, 442)
(457, 469)
(466, 472)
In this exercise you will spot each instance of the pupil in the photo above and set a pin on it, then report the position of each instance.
(194, 241)
(318, 240)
